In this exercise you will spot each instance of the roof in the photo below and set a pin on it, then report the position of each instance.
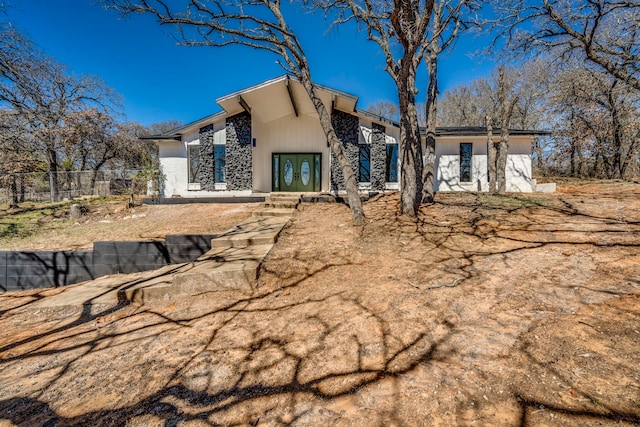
(481, 130)
(284, 95)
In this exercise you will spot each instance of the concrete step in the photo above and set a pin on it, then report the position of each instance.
(277, 204)
(282, 199)
(233, 269)
(285, 194)
(254, 231)
(219, 270)
(273, 212)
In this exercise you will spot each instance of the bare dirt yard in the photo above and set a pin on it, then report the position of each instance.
(489, 311)
(34, 227)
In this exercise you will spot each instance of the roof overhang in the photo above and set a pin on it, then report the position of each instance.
(160, 138)
(482, 131)
(283, 96)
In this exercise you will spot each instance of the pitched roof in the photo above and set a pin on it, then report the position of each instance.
(282, 102)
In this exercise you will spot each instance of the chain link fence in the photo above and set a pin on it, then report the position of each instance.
(45, 186)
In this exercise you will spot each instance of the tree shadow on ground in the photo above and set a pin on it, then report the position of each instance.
(329, 336)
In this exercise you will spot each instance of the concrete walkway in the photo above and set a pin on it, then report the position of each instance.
(232, 264)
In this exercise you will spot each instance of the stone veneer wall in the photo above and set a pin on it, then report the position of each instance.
(239, 155)
(347, 128)
(206, 172)
(378, 157)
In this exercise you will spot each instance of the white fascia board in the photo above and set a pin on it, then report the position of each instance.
(200, 123)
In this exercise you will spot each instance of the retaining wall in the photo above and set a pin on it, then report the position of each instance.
(43, 269)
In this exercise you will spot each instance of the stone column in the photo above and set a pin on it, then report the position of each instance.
(378, 157)
(347, 128)
(239, 153)
(206, 172)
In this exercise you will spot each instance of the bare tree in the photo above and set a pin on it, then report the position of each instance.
(136, 153)
(445, 27)
(259, 24)
(491, 156)
(163, 127)
(507, 103)
(44, 93)
(88, 138)
(599, 118)
(385, 108)
(603, 32)
(400, 30)
(18, 154)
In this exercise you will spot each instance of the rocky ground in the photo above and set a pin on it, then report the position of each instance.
(489, 310)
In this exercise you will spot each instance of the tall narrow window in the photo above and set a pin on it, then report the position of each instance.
(220, 163)
(391, 170)
(466, 152)
(365, 162)
(193, 152)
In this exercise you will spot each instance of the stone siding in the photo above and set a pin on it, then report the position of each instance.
(378, 157)
(239, 154)
(347, 128)
(206, 172)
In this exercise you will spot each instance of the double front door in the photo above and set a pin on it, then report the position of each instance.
(296, 172)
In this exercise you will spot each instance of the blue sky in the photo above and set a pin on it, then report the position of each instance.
(160, 80)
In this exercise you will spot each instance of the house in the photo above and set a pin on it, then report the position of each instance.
(268, 138)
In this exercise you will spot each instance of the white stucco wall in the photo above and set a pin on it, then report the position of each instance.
(518, 171)
(173, 161)
(175, 164)
(289, 134)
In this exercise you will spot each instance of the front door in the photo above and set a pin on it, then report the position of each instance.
(298, 172)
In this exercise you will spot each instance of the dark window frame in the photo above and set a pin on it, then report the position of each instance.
(193, 176)
(364, 163)
(391, 163)
(219, 165)
(466, 162)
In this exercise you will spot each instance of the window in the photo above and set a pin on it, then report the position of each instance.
(391, 170)
(365, 162)
(466, 152)
(220, 163)
(193, 153)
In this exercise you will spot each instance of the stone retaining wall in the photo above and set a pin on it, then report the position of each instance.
(44, 269)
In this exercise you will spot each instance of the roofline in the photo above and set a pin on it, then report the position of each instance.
(282, 78)
(481, 130)
(161, 137)
(377, 117)
(201, 121)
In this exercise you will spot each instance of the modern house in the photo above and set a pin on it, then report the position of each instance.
(268, 138)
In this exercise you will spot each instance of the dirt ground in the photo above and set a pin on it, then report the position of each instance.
(114, 221)
(488, 311)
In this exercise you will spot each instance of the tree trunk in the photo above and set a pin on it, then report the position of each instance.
(351, 185)
(573, 158)
(491, 156)
(501, 161)
(53, 175)
(629, 155)
(410, 144)
(581, 161)
(617, 147)
(14, 191)
(22, 187)
(431, 108)
(538, 150)
(503, 147)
